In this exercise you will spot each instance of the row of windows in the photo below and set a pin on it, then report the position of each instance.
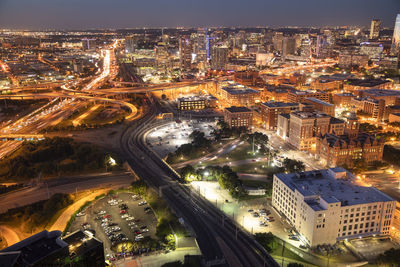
(359, 232)
(356, 226)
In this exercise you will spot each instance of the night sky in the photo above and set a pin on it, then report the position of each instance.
(87, 14)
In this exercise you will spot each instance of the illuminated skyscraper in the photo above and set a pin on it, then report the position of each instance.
(375, 28)
(396, 37)
(219, 57)
(201, 45)
(185, 51)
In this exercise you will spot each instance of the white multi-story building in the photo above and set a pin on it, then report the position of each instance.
(324, 206)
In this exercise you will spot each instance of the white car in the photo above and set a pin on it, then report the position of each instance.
(139, 237)
(141, 203)
(123, 216)
(102, 212)
(131, 218)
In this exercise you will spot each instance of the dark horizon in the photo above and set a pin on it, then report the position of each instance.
(123, 14)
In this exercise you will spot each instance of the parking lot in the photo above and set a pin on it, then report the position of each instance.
(118, 219)
(169, 137)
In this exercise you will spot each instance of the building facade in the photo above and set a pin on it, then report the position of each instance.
(396, 37)
(272, 109)
(305, 127)
(296, 96)
(324, 206)
(322, 106)
(238, 117)
(375, 29)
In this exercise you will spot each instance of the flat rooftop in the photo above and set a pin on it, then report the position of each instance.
(332, 185)
(277, 104)
(79, 242)
(239, 91)
(38, 246)
(197, 97)
(235, 109)
(307, 92)
(367, 82)
(381, 92)
(309, 115)
(316, 100)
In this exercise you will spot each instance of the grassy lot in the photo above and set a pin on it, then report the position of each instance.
(96, 117)
(198, 153)
(239, 153)
(255, 168)
(34, 217)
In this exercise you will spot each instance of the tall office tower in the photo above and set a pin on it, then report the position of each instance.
(319, 44)
(277, 41)
(185, 52)
(130, 44)
(161, 56)
(88, 44)
(219, 57)
(288, 46)
(375, 28)
(201, 45)
(305, 48)
(396, 37)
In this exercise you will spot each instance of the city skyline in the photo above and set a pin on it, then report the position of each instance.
(45, 14)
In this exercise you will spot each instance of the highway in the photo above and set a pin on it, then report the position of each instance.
(218, 237)
(58, 109)
(63, 185)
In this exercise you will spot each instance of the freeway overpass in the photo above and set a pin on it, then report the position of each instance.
(86, 96)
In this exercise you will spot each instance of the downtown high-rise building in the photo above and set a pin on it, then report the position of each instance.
(201, 45)
(288, 46)
(375, 29)
(219, 57)
(396, 37)
(185, 52)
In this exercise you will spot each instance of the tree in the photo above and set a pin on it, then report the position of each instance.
(267, 240)
(139, 187)
(390, 256)
(391, 154)
(258, 138)
(198, 139)
(292, 165)
(189, 174)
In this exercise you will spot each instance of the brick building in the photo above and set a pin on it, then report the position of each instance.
(238, 117)
(271, 110)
